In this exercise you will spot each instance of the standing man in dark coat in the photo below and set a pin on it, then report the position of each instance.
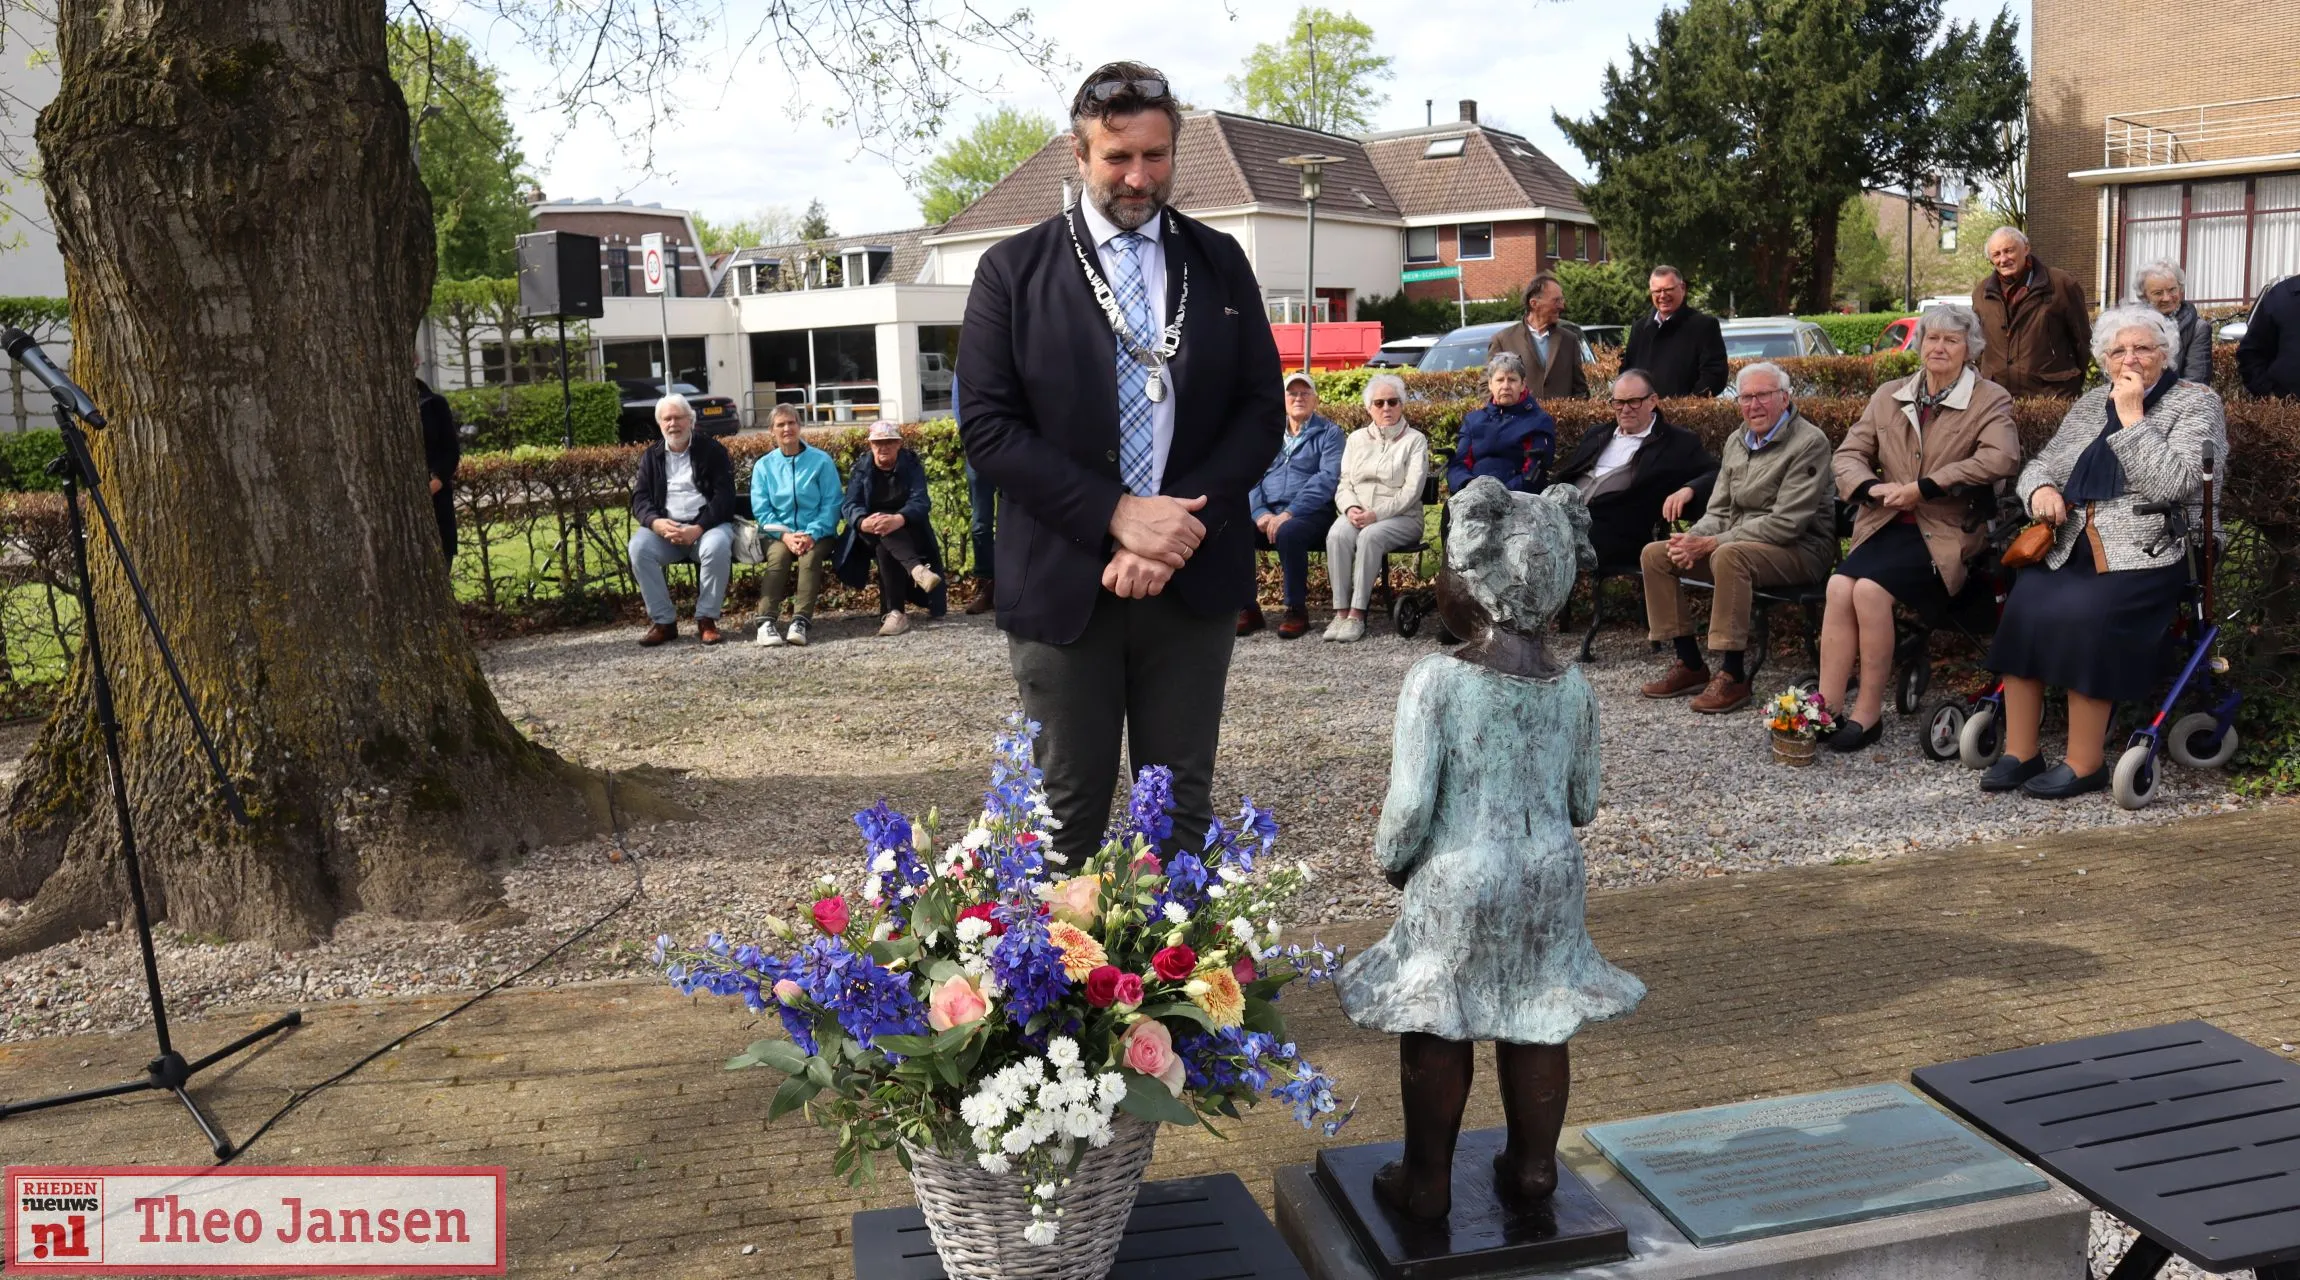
(442, 454)
(1119, 387)
(2268, 357)
(1550, 347)
(2039, 332)
(1680, 347)
(1637, 472)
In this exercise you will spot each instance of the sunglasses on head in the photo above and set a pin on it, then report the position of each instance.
(1104, 90)
(1385, 404)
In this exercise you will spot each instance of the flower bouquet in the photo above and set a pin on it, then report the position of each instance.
(1797, 717)
(1014, 1028)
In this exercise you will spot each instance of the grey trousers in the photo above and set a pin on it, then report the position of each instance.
(1150, 671)
(1354, 555)
(713, 555)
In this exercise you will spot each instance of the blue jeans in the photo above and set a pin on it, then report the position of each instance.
(984, 529)
(1297, 538)
(713, 553)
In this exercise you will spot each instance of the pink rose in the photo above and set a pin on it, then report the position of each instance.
(1077, 900)
(788, 992)
(1129, 990)
(1148, 864)
(1148, 1048)
(831, 915)
(955, 1003)
(1243, 971)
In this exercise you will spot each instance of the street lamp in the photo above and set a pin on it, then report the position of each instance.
(1313, 171)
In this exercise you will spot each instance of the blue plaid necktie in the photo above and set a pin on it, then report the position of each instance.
(1135, 434)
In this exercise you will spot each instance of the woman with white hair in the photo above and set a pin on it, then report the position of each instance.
(1380, 498)
(1924, 446)
(2092, 618)
(2164, 286)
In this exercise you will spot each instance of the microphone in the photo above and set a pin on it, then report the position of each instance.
(36, 362)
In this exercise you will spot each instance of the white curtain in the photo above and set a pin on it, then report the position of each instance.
(2216, 245)
(2151, 225)
(2275, 230)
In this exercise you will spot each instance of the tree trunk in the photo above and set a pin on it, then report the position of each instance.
(1821, 268)
(250, 252)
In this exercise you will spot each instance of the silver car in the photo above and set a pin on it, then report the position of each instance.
(1775, 338)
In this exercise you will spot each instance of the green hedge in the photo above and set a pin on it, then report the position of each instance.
(1854, 334)
(531, 414)
(24, 457)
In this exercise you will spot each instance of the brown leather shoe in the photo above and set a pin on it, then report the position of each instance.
(659, 633)
(984, 598)
(1250, 620)
(1678, 681)
(707, 630)
(1723, 694)
(1294, 625)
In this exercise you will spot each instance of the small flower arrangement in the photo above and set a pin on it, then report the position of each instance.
(984, 1000)
(1797, 713)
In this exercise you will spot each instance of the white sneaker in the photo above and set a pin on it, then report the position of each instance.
(1352, 629)
(1333, 628)
(927, 579)
(895, 624)
(770, 636)
(797, 635)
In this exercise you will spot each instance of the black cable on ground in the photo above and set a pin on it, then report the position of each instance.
(638, 890)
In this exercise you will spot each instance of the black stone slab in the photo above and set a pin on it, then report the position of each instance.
(2184, 1131)
(1181, 1229)
(1487, 1233)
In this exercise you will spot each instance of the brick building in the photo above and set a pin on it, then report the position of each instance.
(2150, 141)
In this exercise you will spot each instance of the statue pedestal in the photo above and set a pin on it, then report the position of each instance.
(1486, 1234)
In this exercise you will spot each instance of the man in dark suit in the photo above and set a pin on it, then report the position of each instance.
(1549, 346)
(1119, 387)
(1682, 348)
(442, 454)
(1637, 472)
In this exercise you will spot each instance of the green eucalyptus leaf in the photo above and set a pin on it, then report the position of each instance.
(782, 1055)
(1263, 1016)
(1148, 1097)
(793, 1095)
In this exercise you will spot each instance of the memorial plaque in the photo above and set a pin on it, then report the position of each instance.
(1769, 1168)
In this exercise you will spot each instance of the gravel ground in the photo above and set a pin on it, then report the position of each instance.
(2110, 1238)
(775, 748)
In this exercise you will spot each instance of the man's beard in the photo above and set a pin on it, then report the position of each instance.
(1123, 218)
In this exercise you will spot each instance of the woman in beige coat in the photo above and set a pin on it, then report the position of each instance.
(1380, 498)
(1913, 463)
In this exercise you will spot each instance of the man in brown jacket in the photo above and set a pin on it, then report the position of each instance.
(1550, 347)
(2038, 330)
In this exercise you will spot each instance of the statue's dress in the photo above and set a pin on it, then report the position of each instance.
(1489, 773)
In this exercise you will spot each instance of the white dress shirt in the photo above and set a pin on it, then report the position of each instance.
(1619, 452)
(682, 501)
(1151, 258)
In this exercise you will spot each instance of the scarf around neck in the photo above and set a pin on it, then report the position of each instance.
(2098, 476)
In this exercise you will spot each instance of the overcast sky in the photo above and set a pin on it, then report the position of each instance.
(736, 148)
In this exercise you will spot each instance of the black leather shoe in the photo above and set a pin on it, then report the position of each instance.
(1852, 735)
(2060, 782)
(2007, 774)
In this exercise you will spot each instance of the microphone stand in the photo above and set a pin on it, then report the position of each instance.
(169, 1072)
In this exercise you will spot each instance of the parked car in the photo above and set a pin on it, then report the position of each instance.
(1775, 338)
(1900, 335)
(714, 415)
(1404, 353)
(1464, 348)
(1605, 336)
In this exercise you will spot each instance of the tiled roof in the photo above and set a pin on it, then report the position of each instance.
(1495, 170)
(903, 268)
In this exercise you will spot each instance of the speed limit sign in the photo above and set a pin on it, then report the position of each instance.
(651, 260)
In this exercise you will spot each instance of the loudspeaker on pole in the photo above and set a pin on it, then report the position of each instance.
(559, 276)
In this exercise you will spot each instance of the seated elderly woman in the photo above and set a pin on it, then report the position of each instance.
(2164, 286)
(1380, 498)
(2092, 617)
(1510, 437)
(1924, 443)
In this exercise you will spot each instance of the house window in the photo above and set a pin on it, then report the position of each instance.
(1421, 244)
(1476, 240)
(2233, 236)
(1549, 239)
(1581, 243)
(618, 271)
(671, 272)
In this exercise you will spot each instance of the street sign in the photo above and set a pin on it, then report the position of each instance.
(1430, 273)
(651, 260)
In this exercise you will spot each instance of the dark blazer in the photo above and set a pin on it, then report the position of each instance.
(1562, 376)
(1038, 380)
(1621, 522)
(442, 454)
(1685, 356)
(857, 554)
(714, 477)
(2268, 358)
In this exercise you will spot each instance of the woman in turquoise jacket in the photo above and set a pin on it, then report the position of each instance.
(795, 494)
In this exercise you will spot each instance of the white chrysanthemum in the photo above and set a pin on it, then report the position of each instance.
(874, 887)
(1016, 1141)
(992, 1162)
(990, 986)
(973, 929)
(1270, 933)
(979, 838)
(1109, 1089)
(1055, 859)
(1217, 892)
(1082, 1123)
(1044, 1190)
(881, 931)
(1229, 874)
(1040, 1232)
(1175, 914)
(884, 862)
(1243, 930)
(977, 965)
(1062, 1051)
(1101, 1137)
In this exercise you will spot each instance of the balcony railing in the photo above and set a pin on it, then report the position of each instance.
(2210, 131)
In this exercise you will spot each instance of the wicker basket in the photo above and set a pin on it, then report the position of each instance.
(1788, 748)
(976, 1218)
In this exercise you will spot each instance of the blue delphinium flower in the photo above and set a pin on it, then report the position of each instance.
(1149, 807)
(868, 999)
(1186, 880)
(1014, 774)
(1027, 965)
